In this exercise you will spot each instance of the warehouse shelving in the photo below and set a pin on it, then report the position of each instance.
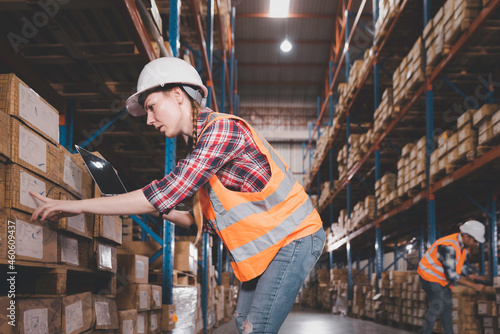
(476, 175)
(104, 51)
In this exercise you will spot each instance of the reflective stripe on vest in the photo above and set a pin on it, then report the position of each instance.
(431, 269)
(254, 226)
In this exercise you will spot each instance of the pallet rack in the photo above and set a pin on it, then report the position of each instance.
(477, 175)
(132, 20)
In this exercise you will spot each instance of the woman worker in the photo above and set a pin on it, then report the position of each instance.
(247, 193)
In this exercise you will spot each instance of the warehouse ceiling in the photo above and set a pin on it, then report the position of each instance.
(87, 55)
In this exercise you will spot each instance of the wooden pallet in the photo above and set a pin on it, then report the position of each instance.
(180, 278)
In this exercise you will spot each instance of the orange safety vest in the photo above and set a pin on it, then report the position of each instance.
(254, 226)
(431, 269)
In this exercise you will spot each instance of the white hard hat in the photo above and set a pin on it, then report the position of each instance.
(163, 71)
(475, 229)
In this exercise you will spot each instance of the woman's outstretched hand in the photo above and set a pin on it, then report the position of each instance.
(54, 209)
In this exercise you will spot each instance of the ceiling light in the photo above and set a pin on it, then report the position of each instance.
(286, 46)
(279, 8)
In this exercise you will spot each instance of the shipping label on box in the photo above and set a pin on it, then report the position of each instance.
(105, 257)
(465, 118)
(186, 257)
(154, 322)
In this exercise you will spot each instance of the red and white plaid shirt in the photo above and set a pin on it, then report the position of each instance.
(226, 149)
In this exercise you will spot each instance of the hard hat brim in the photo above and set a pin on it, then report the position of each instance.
(134, 107)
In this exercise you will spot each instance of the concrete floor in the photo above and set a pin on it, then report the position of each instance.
(301, 321)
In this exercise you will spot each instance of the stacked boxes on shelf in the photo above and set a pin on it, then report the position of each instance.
(466, 136)
(409, 74)
(384, 113)
(342, 162)
(387, 11)
(487, 121)
(385, 191)
(362, 213)
(411, 168)
(138, 301)
(448, 24)
(414, 299)
(362, 302)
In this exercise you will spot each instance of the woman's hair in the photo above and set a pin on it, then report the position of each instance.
(194, 104)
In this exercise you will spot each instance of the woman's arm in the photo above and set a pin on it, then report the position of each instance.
(132, 203)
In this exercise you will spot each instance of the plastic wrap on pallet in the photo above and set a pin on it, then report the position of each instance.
(185, 299)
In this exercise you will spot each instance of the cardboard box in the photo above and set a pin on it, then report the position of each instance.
(156, 297)
(135, 268)
(186, 257)
(19, 181)
(19, 100)
(74, 175)
(484, 112)
(4, 134)
(486, 308)
(77, 314)
(466, 132)
(8, 315)
(485, 137)
(168, 317)
(73, 250)
(34, 240)
(82, 224)
(134, 296)
(465, 118)
(104, 257)
(39, 315)
(128, 322)
(154, 321)
(33, 152)
(142, 322)
(105, 313)
(109, 228)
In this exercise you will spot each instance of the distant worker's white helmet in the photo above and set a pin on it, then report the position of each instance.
(165, 71)
(475, 229)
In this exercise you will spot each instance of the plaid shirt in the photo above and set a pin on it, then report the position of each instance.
(446, 254)
(225, 149)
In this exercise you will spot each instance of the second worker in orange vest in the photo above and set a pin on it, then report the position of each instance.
(442, 266)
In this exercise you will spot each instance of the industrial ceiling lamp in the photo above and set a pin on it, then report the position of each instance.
(286, 46)
(279, 8)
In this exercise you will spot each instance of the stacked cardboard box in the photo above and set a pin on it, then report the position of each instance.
(342, 162)
(414, 303)
(387, 11)
(384, 113)
(356, 73)
(409, 74)
(487, 121)
(362, 213)
(385, 191)
(411, 168)
(439, 157)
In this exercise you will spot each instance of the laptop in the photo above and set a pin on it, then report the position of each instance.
(103, 173)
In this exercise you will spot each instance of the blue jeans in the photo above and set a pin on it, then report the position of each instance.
(265, 301)
(440, 304)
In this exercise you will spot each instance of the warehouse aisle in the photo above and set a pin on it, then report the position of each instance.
(305, 321)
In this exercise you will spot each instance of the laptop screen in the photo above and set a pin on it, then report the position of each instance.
(103, 173)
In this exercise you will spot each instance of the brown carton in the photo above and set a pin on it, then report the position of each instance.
(133, 267)
(128, 322)
(105, 313)
(134, 296)
(39, 315)
(77, 315)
